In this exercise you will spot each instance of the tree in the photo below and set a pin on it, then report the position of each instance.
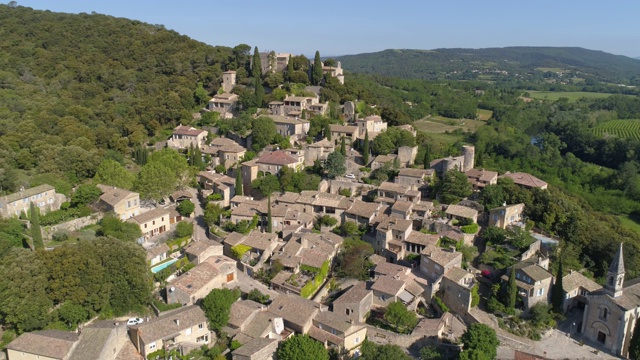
(634, 345)
(184, 229)
(400, 318)
(257, 296)
(256, 69)
(266, 185)
(186, 208)
(316, 72)
(289, 70)
(455, 186)
(431, 352)
(336, 164)
(352, 261)
(36, 232)
(239, 181)
(480, 342)
(373, 351)
(121, 230)
(269, 220)
(111, 173)
(72, 314)
(259, 91)
(85, 194)
(557, 294)
(343, 148)
(263, 130)
(427, 156)
(512, 290)
(365, 148)
(217, 306)
(200, 94)
(301, 347)
(212, 214)
(155, 181)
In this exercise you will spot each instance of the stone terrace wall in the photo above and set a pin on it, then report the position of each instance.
(71, 225)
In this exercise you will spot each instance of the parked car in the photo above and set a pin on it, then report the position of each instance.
(350, 176)
(134, 321)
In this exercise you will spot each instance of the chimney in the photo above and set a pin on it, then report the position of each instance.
(453, 249)
(177, 321)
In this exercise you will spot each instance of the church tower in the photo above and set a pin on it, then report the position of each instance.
(615, 275)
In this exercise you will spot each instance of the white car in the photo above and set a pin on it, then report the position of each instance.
(350, 176)
(134, 321)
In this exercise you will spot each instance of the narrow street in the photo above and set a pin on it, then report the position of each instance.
(199, 231)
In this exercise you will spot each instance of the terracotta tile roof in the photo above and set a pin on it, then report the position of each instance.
(363, 209)
(388, 285)
(402, 206)
(333, 320)
(166, 326)
(195, 279)
(416, 173)
(525, 179)
(94, 339)
(278, 157)
(322, 143)
(534, 271)
(294, 309)
(383, 159)
(387, 268)
(150, 215)
(324, 336)
(440, 256)
(287, 120)
(574, 280)
(355, 294)
(157, 250)
(343, 129)
(481, 174)
(456, 274)
(196, 248)
(254, 346)
(241, 311)
(26, 193)
(416, 237)
(462, 211)
(50, 343)
(519, 355)
(187, 131)
(393, 187)
(113, 195)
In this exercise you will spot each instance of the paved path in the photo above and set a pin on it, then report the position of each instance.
(199, 232)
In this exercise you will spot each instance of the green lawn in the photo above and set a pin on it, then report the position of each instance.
(571, 95)
(629, 223)
(483, 114)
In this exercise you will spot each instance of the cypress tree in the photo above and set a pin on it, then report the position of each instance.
(316, 74)
(427, 156)
(343, 148)
(327, 131)
(36, 233)
(557, 295)
(289, 70)
(259, 91)
(512, 290)
(365, 148)
(190, 155)
(269, 224)
(197, 154)
(256, 70)
(634, 345)
(239, 181)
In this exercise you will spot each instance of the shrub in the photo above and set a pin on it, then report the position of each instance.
(345, 192)
(220, 169)
(186, 208)
(441, 305)
(184, 229)
(214, 197)
(239, 250)
(470, 229)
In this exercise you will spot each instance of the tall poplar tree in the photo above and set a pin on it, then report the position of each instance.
(316, 73)
(269, 223)
(36, 233)
(239, 181)
(365, 148)
(557, 295)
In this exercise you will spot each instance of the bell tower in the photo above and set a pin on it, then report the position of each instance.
(615, 275)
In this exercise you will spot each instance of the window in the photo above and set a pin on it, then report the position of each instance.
(357, 341)
(188, 331)
(154, 222)
(604, 313)
(201, 326)
(540, 292)
(152, 346)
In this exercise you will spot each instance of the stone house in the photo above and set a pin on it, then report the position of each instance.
(390, 235)
(334, 71)
(224, 104)
(152, 222)
(507, 215)
(157, 254)
(372, 124)
(389, 193)
(534, 282)
(272, 162)
(355, 303)
(435, 262)
(612, 312)
(457, 285)
(407, 155)
(199, 251)
(195, 284)
(44, 344)
(184, 137)
(526, 180)
(213, 183)
(43, 196)
(295, 105)
(256, 349)
(228, 80)
(183, 327)
(224, 151)
(101, 340)
(362, 213)
(318, 151)
(261, 248)
(416, 179)
(124, 203)
(297, 312)
(462, 213)
(388, 289)
(481, 178)
(380, 160)
(337, 331)
(576, 287)
(338, 131)
(293, 127)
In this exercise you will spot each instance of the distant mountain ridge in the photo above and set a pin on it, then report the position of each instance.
(474, 63)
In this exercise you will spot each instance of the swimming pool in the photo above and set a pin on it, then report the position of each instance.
(163, 266)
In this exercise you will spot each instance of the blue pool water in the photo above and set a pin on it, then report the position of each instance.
(162, 266)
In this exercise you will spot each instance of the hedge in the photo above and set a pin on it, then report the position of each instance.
(311, 287)
(240, 250)
(470, 229)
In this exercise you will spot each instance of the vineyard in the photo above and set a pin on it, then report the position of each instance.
(619, 128)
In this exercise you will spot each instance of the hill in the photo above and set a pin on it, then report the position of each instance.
(528, 63)
(77, 88)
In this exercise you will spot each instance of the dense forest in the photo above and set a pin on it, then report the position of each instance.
(529, 64)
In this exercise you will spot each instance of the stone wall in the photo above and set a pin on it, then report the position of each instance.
(71, 225)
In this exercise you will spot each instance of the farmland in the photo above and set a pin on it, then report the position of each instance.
(571, 95)
(619, 128)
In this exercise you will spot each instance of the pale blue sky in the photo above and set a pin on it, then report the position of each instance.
(357, 26)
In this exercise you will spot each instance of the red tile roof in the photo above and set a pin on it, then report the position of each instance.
(188, 131)
(276, 158)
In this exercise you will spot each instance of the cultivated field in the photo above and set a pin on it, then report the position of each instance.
(571, 95)
(484, 114)
(619, 128)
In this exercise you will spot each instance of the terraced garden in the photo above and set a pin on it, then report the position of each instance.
(619, 128)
